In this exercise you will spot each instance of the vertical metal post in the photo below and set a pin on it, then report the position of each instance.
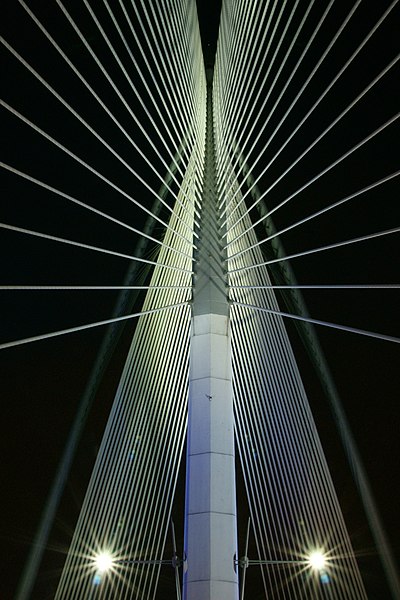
(175, 563)
(245, 561)
(210, 511)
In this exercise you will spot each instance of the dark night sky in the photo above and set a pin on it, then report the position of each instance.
(42, 382)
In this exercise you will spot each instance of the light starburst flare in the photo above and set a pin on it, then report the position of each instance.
(104, 561)
(317, 560)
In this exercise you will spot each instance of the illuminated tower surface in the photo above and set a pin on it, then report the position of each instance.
(210, 515)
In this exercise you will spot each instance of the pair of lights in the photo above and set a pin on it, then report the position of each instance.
(104, 562)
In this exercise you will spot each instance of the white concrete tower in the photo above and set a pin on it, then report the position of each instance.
(210, 511)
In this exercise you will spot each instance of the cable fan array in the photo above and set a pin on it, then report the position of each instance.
(117, 548)
(293, 504)
(127, 507)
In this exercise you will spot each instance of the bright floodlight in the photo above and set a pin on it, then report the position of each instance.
(104, 562)
(317, 560)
